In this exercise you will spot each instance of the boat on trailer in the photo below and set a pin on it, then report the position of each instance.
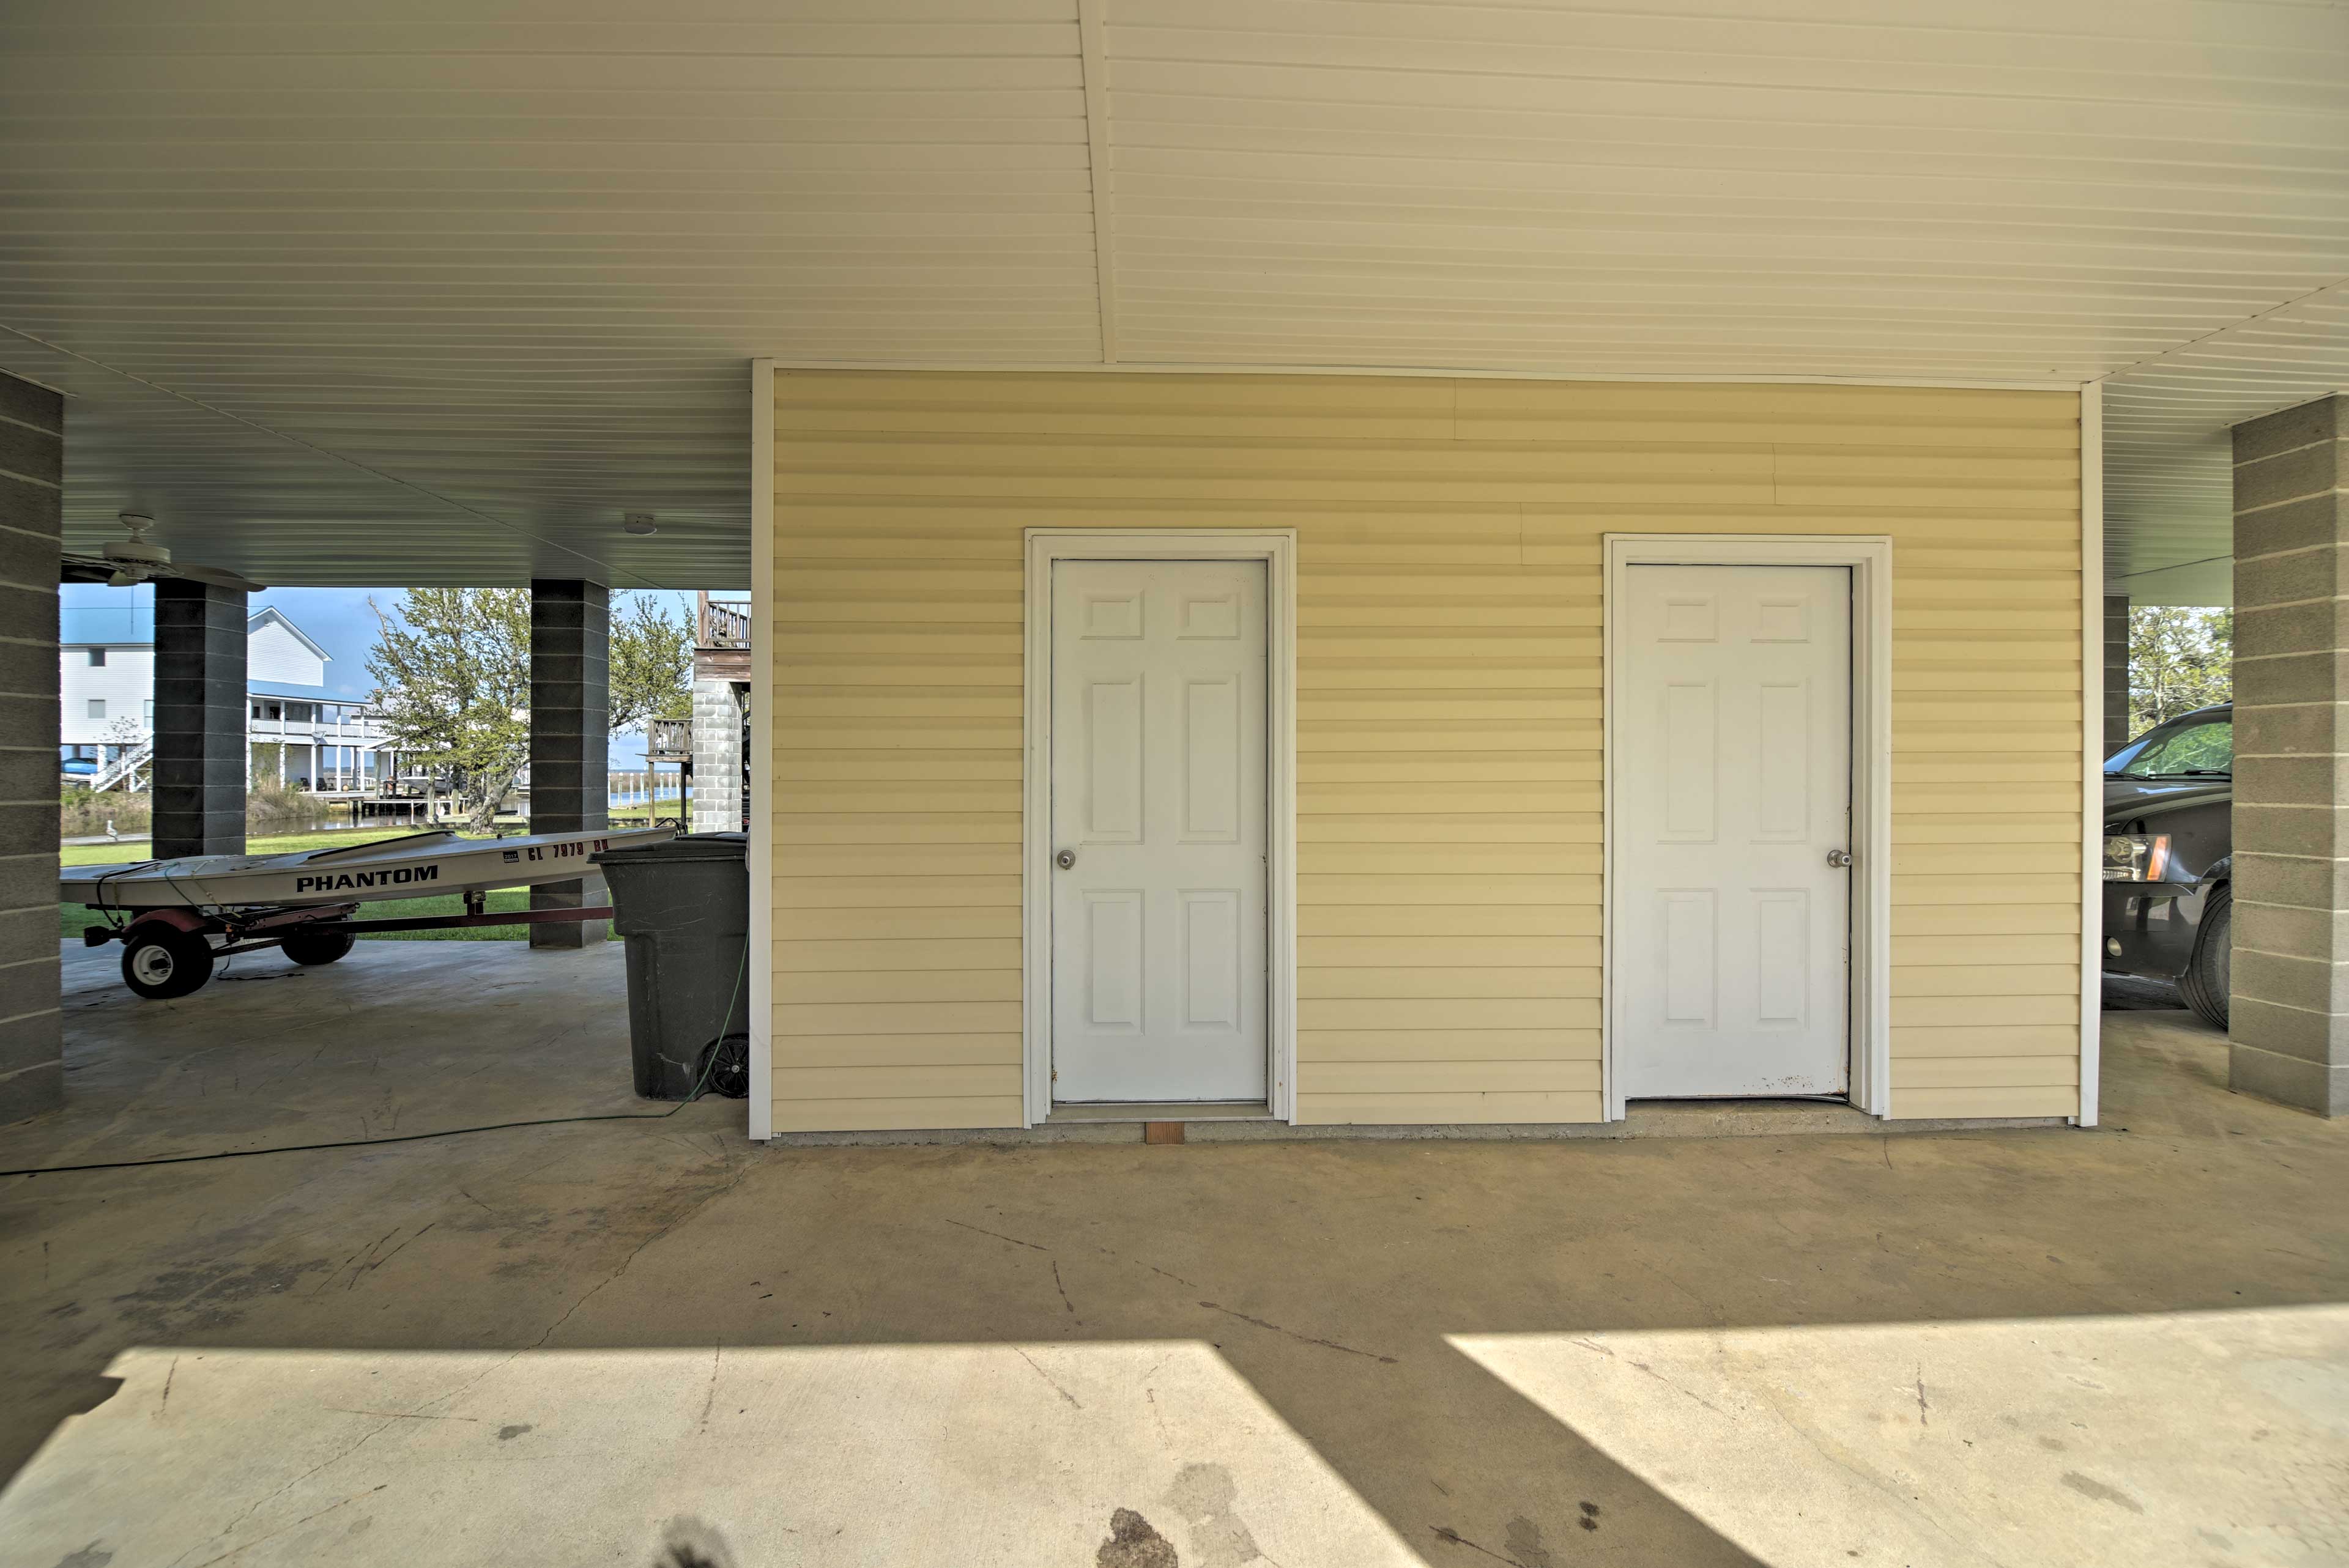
(184, 914)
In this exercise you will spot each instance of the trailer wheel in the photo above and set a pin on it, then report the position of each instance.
(317, 947)
(164, 962)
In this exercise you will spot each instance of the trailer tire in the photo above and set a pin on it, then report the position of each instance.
(317, 947)
(163, 961)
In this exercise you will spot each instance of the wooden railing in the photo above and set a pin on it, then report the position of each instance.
(719, 624)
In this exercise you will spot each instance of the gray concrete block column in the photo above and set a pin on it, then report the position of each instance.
(2290, 1016)
(717, 756)
(570, 700)
(2116, 672)
(200, 712)
(31, 497)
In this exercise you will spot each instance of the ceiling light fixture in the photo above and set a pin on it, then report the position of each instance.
(640, 522)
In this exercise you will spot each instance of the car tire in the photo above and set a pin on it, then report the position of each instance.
(2207, 983)
(163, 962)
(317, 947)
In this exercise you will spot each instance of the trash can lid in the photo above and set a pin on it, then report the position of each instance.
(683, 847)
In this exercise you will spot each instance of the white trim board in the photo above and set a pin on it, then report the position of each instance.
(1869, 558)
(1276, 547)
(2092, 729)
(761, 855)
(1439, 372)
(1092, 56)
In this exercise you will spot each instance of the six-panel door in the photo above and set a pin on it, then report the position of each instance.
(1159, 804)
(1732, 801)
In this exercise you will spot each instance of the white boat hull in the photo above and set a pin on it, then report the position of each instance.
(417, 865)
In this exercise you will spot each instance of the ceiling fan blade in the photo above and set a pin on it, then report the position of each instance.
(218, 577)
(84, 569)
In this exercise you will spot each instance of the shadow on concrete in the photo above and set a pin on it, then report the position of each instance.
(1330, 1277)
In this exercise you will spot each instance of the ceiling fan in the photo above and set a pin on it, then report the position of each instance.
(128, 563)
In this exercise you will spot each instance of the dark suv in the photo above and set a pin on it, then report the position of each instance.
(2169, 849)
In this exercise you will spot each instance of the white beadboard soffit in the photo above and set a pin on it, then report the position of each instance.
(434, 298)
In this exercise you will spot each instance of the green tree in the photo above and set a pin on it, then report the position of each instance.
(452, 683)
(2179, 659)
(652, 665)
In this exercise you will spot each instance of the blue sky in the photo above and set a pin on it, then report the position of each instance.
(339, 620)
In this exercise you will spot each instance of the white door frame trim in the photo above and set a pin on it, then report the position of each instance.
(1869, 557)
(2092, 762)
(761, 849)
(1276, 547)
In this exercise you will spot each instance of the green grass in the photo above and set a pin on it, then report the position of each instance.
(131, 851)
(75, 919)
(500, 900)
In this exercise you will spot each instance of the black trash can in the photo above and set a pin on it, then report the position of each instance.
(683, 908)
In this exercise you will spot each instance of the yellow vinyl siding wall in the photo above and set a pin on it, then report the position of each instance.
(1448, 711)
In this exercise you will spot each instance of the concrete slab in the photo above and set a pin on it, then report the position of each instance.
(399, 1036)
(642, 1343)
(2171, 1438)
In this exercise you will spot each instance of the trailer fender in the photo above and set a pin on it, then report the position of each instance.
(146, 919)
(184, 919)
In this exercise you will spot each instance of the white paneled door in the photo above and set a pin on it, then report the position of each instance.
(1732, 802)
(1158, 831)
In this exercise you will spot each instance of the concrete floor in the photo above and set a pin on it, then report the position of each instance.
(654, 1343)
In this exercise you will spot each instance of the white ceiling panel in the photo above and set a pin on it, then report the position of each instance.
(2168, 455)
(446, 288)
(343, 292)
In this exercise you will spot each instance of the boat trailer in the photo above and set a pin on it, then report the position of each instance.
(176, 918)
(170, 952)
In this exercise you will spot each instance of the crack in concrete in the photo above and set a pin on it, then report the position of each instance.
(709, 1396)
(261, 1503)
(1150, 1398)
(1593, 1344)
(1705, 1306)
(999, 1236)
(297, 1524)
(739, 1174)
(507, 1359)
(1048, 1378)
(1687, 1393)
(1303, 1338)
(510, 1356)
(1446, 1534)
(368, 1252)
(1910, 1506)
(397, 1251)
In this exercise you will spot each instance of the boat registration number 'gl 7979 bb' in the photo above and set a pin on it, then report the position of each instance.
(557, 852)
